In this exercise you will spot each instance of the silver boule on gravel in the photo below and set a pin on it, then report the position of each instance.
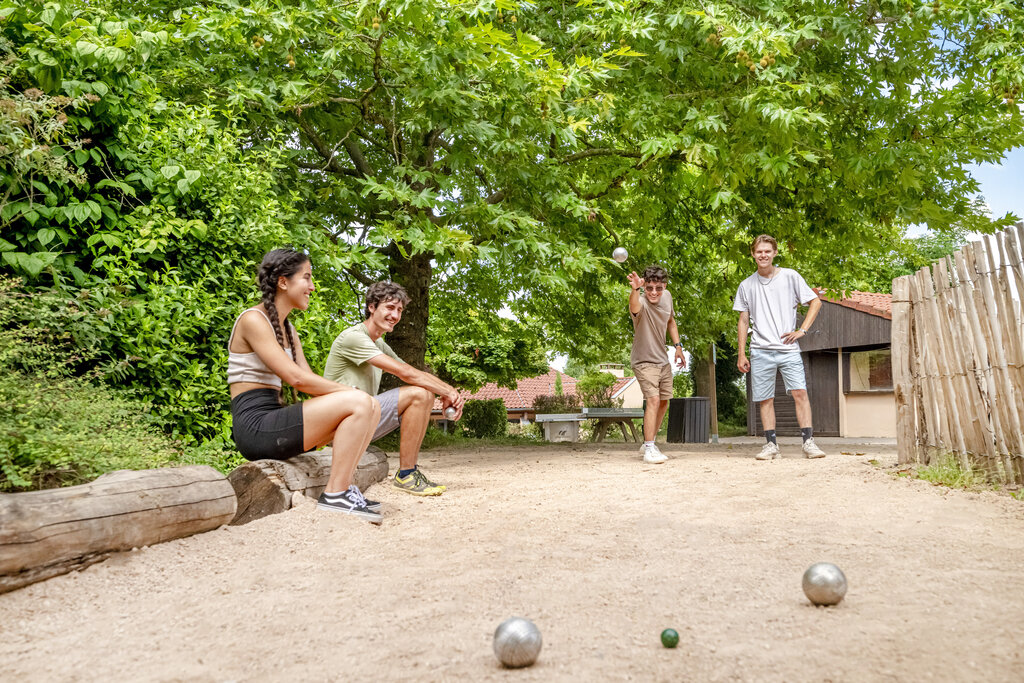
(450, 413)
(517, 642)
(620, 254)
(824, 584)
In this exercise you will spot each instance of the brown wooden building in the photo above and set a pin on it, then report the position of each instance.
(848, 371)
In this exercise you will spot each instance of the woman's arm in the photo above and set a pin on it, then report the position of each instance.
(259, 336)
(300, 357)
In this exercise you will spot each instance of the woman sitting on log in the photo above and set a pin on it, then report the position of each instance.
(263, 350)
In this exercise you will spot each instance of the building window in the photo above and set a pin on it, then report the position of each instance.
(871, 370)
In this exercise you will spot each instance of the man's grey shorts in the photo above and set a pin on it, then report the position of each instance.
(389, 419)
(764, 363)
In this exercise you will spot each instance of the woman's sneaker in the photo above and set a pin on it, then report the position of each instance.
(350, 502)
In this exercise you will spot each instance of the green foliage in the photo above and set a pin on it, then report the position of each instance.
(470, 346)
(162, 147)
(682, 385)
(169, 207)
(486, 419)
(556, 404)
(878, 271)
(726, 429)
(559, 391)
(58, 428)
(595, 390)
(949, 471)
(730, 384)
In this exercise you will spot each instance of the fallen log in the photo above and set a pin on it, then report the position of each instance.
(267, 487)
(55, 531)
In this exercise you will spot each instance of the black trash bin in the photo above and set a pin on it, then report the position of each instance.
(688, 419)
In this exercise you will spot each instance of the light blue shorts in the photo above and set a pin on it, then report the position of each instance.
(764, 363)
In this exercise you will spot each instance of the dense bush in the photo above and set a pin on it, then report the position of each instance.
(556, 404)
(595, 390)
(682, 385)
(485, 419)
(59, 427)
(147, 210)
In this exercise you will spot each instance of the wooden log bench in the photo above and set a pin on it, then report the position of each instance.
(55, 531)
(266, 487)
(608, 418)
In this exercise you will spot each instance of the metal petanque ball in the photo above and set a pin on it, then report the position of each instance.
(620, 254)
(824, 584)
(450, 413)
(517, 642)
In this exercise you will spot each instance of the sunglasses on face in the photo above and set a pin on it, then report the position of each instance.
(652, 288)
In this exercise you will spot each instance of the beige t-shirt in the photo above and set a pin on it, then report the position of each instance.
(348, 361)
(650, 325)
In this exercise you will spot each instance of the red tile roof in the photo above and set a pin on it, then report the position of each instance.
(521, 398)
(621, 384)
(871, 303)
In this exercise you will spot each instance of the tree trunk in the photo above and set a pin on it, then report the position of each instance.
(701, 375)
(55, 531)
(267, 487)
(409, 338)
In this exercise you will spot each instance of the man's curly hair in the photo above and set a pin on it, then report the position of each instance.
(655, 274)
(379, 292)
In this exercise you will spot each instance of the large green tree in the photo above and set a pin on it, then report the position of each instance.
(513, 144)
(486, 155)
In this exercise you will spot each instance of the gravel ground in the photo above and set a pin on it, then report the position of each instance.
(601, 551)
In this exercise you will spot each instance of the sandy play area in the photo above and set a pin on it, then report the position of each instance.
(599, 549)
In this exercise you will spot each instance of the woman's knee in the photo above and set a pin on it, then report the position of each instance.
(365, 404)
(355, 402)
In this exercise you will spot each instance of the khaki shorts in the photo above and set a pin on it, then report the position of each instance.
(654, 379)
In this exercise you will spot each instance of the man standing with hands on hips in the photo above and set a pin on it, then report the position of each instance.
(767, 302)
(650, 309)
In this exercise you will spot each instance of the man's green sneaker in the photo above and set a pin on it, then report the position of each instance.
(417, 484)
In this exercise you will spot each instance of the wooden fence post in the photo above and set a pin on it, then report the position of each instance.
(903, 381)
(958, 357)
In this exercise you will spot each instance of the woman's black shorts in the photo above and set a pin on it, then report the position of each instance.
(263, 428)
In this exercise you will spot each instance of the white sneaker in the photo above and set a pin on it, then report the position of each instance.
(653, 456)
(811, 450)
(769, 451)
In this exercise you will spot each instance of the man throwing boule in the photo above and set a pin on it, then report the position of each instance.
(650, 309)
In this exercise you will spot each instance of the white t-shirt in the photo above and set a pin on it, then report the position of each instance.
(771, 303)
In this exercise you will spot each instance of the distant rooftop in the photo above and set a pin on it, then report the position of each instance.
(529, 388)
(521, 398)
(872, 303)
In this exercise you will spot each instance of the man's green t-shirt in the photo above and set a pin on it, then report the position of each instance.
(348, 361)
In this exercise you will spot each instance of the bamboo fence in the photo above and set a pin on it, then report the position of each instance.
(958, 358)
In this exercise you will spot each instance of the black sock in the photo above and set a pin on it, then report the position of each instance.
(769, 435)
(806, 432)
(402, 474)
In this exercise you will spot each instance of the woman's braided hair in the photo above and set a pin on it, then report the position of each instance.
(276, 264)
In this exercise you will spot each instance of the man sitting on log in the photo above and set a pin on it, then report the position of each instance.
(359, 356)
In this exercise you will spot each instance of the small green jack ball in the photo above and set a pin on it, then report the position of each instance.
(669, 638)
